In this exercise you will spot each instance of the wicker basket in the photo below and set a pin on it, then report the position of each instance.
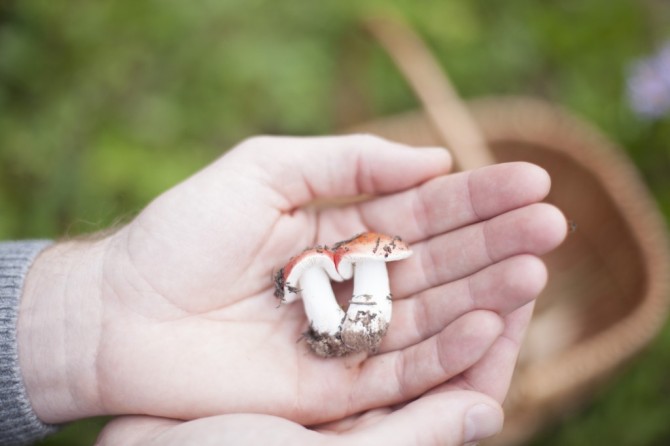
(607, 294)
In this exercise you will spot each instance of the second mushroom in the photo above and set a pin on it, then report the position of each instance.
(332, 332)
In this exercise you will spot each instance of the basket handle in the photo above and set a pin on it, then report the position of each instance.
(446, 111)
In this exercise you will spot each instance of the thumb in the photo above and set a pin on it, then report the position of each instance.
(447, 418)
(302, 169)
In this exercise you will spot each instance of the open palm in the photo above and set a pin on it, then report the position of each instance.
(189, 324)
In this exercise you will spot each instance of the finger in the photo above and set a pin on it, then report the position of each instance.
(493, 374)
(452, 418)
(502, 288)
(445, 203)
(535, 229)
(401, 375)
(354, 421)
(302, 169)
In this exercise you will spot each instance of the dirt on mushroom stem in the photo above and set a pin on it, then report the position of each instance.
(369, 337)
(326, 345)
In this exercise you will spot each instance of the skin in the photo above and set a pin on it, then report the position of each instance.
(173, 315)
(432, 420)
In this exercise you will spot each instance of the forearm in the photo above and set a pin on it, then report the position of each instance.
(19, 424)
(59, 325)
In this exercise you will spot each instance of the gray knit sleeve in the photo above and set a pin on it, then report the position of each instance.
(18, 423)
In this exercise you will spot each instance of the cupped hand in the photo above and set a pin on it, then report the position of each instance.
(444, 420)
(181, 320)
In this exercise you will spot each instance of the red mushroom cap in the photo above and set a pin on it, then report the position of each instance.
(368, 246)
(286, 279)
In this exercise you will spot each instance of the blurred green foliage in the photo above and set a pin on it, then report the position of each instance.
(105, 104)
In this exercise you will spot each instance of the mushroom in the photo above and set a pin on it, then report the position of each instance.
(364, 256)
(332, 332)
(309, 274)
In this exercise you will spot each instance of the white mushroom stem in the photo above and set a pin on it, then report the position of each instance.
(369, 312)
(371, 288)
(323, 312)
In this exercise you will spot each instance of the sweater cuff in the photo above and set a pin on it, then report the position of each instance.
(19, 424)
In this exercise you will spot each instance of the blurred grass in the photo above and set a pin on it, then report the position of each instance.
(105, 104)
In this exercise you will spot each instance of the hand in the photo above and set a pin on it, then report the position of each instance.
(454, 419)
(173, 314)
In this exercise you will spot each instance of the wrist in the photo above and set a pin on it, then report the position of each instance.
(59, 328)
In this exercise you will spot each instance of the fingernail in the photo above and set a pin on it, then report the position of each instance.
(481, 421)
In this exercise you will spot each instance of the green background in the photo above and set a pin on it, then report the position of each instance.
(105, 104)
